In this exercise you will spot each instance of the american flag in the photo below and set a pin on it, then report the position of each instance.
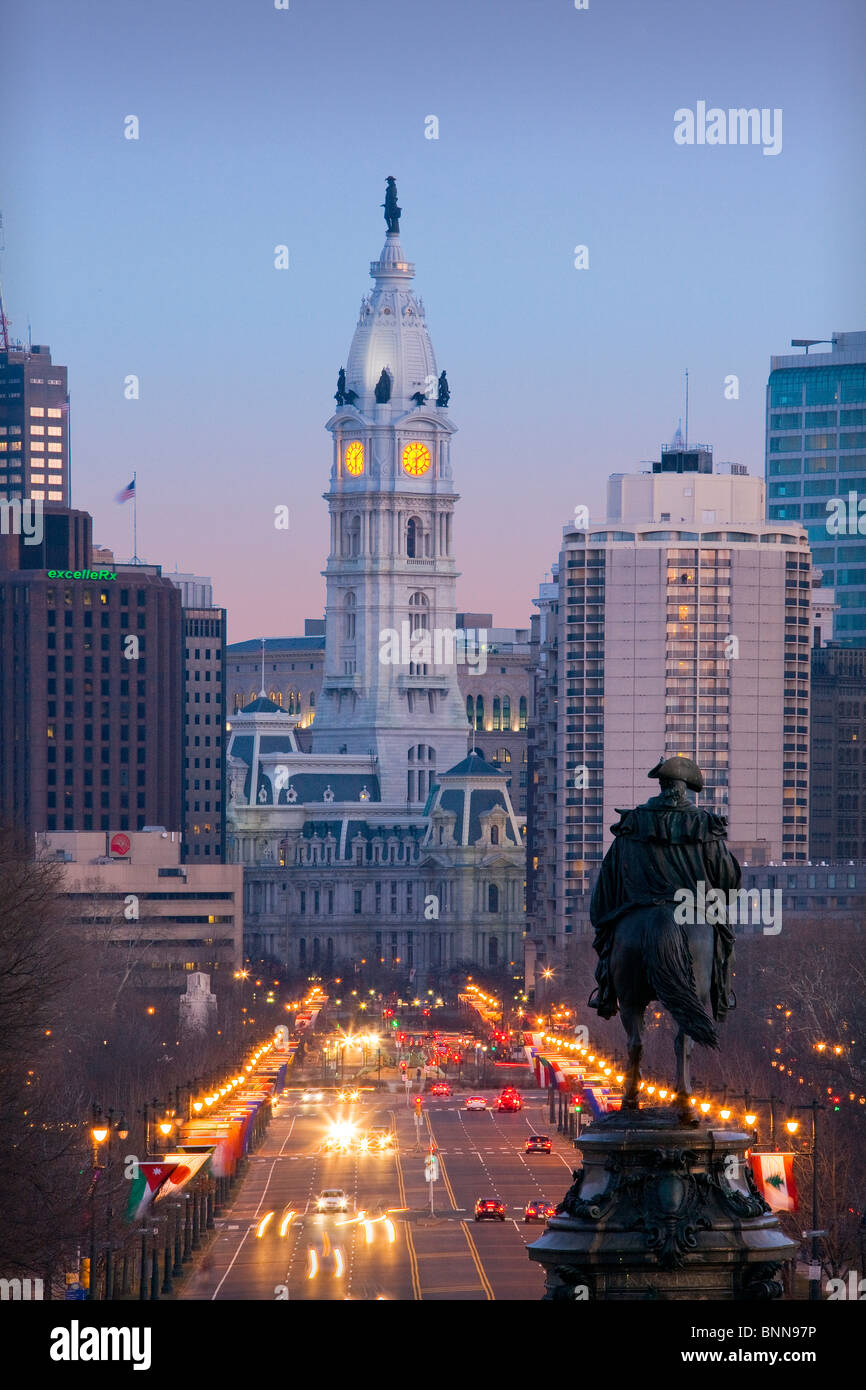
(128, 491)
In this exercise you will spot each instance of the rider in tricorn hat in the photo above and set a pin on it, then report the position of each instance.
(660, 847)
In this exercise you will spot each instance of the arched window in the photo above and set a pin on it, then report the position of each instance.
(492, 898)
(502, 755)
(316, 952)
(413, 537)
(312, 699)
(302, 951)
(497, 713)
(523, 712)
(506, 712)
(479, 712)
(349, 616)
(492, 951)
(239, 702)
(494, 834)
(352, 536)
(329, 951)
(470, 710)
(419, 621)
(252, 696)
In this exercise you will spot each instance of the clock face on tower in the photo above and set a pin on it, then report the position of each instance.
(355, 458)
(416, 459)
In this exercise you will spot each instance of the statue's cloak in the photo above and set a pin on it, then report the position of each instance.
(660, 848)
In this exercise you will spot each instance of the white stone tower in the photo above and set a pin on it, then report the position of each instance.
(391, 571)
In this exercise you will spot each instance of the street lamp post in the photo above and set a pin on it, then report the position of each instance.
(814, 1283)
(99, 1133)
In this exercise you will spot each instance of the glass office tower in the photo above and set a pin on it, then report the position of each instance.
(815, 453)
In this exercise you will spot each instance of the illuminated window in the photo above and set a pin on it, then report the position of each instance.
(37, 410)
(416, 459)
(524, 714)
(53, 429)
(37, 495)
(37, 446)
(37, 477)
(355, 458)
(55, 414)
(54, 448)
(37, 429)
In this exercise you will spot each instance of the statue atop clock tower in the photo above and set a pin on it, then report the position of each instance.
(391, 571)
(392, 212)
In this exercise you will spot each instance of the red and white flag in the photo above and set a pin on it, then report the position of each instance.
(774, 1175)
(128, 491)
(185, 1166)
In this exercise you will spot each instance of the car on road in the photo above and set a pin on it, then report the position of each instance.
(538, 1211)
(510, 1099)
(381, 1138)
(441, 1088)
(538, 1144)
(489, 1209)
(332, 1199)
(348, 1095)
(307, 1096)
(475, 1103)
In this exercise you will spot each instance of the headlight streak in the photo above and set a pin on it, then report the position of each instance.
(263, 1225)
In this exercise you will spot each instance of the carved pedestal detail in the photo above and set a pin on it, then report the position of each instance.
(662, 1211)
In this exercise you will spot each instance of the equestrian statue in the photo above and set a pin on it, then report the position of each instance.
(666, 854)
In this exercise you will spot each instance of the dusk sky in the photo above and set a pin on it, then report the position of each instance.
(261, 126)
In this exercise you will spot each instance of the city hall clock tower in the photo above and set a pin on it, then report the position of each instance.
(389, 690)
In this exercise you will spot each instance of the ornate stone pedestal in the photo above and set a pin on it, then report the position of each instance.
(663, 1210)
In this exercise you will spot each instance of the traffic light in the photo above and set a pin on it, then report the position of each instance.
(836, 1102)
(418, 1104)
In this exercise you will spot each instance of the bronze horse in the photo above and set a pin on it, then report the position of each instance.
(648, 947)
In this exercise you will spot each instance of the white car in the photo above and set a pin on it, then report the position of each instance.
(475, 1103)
(333, 1199)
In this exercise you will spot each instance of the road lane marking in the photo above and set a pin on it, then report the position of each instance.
(485, 1282)
(255, 1213)
(413, 1258)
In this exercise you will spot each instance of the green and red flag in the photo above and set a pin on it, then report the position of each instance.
(148, 1179)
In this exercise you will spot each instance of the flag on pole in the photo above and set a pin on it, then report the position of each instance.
(148, 1179)
(184, 1167)
(127, 493)
(774, 1175)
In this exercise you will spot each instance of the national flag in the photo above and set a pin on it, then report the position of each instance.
(148, 1179)
(774, 1175)
(185, 1167)
(128, 491)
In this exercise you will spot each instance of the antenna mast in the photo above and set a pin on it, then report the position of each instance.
(687, 407)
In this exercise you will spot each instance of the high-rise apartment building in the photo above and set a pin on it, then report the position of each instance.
(681, 624)
(34, 426)
(816, 452)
